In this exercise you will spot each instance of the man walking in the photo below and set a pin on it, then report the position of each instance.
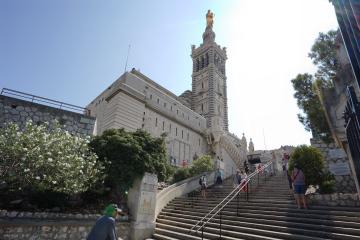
(104, 228)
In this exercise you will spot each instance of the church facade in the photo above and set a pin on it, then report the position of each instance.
(194, 123)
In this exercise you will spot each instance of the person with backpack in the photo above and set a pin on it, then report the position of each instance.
(298, 179)
(203, 184)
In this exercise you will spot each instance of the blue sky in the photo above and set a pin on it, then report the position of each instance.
(72, 50)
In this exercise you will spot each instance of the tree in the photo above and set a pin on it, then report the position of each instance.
(311, 161)
(313, 118)
(128, 155)
(202, 164)
(43, 159)
(323, 54)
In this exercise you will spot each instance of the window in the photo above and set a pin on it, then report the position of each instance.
(158, 101)
(164, 104)
(170, 128)
(155, 122)
(187, 136)
(202, 84)
(163, 127)
(183, 115)
(171, 108)
(150, 96)
(182, 133)
(175, 131)
(177, 112)
(202, 107)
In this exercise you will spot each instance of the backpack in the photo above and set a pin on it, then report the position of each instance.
(200, 181)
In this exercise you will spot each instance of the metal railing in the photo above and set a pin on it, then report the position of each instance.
(44, 101)
(200, 225)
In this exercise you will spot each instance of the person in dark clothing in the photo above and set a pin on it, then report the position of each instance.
(104, 228)
(246, 167)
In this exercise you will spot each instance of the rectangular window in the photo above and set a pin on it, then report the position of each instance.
(158, 100)
(177, 112)
(150, 96)
(163, 128)
(175, 131)
(164, 104)
(170, 128)
(182, 133)
(171, 108)
(155, 122)
(187, 136)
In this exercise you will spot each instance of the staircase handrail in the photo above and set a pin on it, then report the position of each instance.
(237, 189)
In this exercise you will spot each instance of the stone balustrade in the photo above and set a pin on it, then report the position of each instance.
(335, 199)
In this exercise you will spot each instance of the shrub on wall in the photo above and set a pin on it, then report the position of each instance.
(202, 164)
(40, 158)
(181, 174)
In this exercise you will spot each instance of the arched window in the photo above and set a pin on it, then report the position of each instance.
(202, 62)
(197, 64)
(207, 59)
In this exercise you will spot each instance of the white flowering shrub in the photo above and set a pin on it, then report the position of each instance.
(41, 158)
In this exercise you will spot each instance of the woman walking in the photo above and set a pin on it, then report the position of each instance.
(298, 179)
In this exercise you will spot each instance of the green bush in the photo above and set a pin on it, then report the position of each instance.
(311, 161)
(181, 174)
(128, 155)
(202, 164)
(327, 187)
(40, 158)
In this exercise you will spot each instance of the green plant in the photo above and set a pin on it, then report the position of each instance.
(327, 187)
(311, 161)
(40, 158)
(202, 164)
(181, 174)
(128, 155)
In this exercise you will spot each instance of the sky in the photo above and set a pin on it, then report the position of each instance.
(71, 51)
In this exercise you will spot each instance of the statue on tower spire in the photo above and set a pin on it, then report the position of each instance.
(209, 19)
(209, 35)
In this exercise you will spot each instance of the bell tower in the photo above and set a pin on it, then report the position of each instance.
(209, 96)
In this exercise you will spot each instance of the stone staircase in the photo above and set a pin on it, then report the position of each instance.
(270, 213)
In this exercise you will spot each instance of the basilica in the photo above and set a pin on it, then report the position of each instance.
(194, 123)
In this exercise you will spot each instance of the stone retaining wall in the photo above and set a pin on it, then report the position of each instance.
(36, 226)
(335, 199)
(335, 155)
(20, 111)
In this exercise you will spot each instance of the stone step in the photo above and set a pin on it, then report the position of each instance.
(236, 231)
(247, 206)
(293, 218)
(281, 226)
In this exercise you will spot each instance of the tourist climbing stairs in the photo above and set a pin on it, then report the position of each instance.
(266, 211)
